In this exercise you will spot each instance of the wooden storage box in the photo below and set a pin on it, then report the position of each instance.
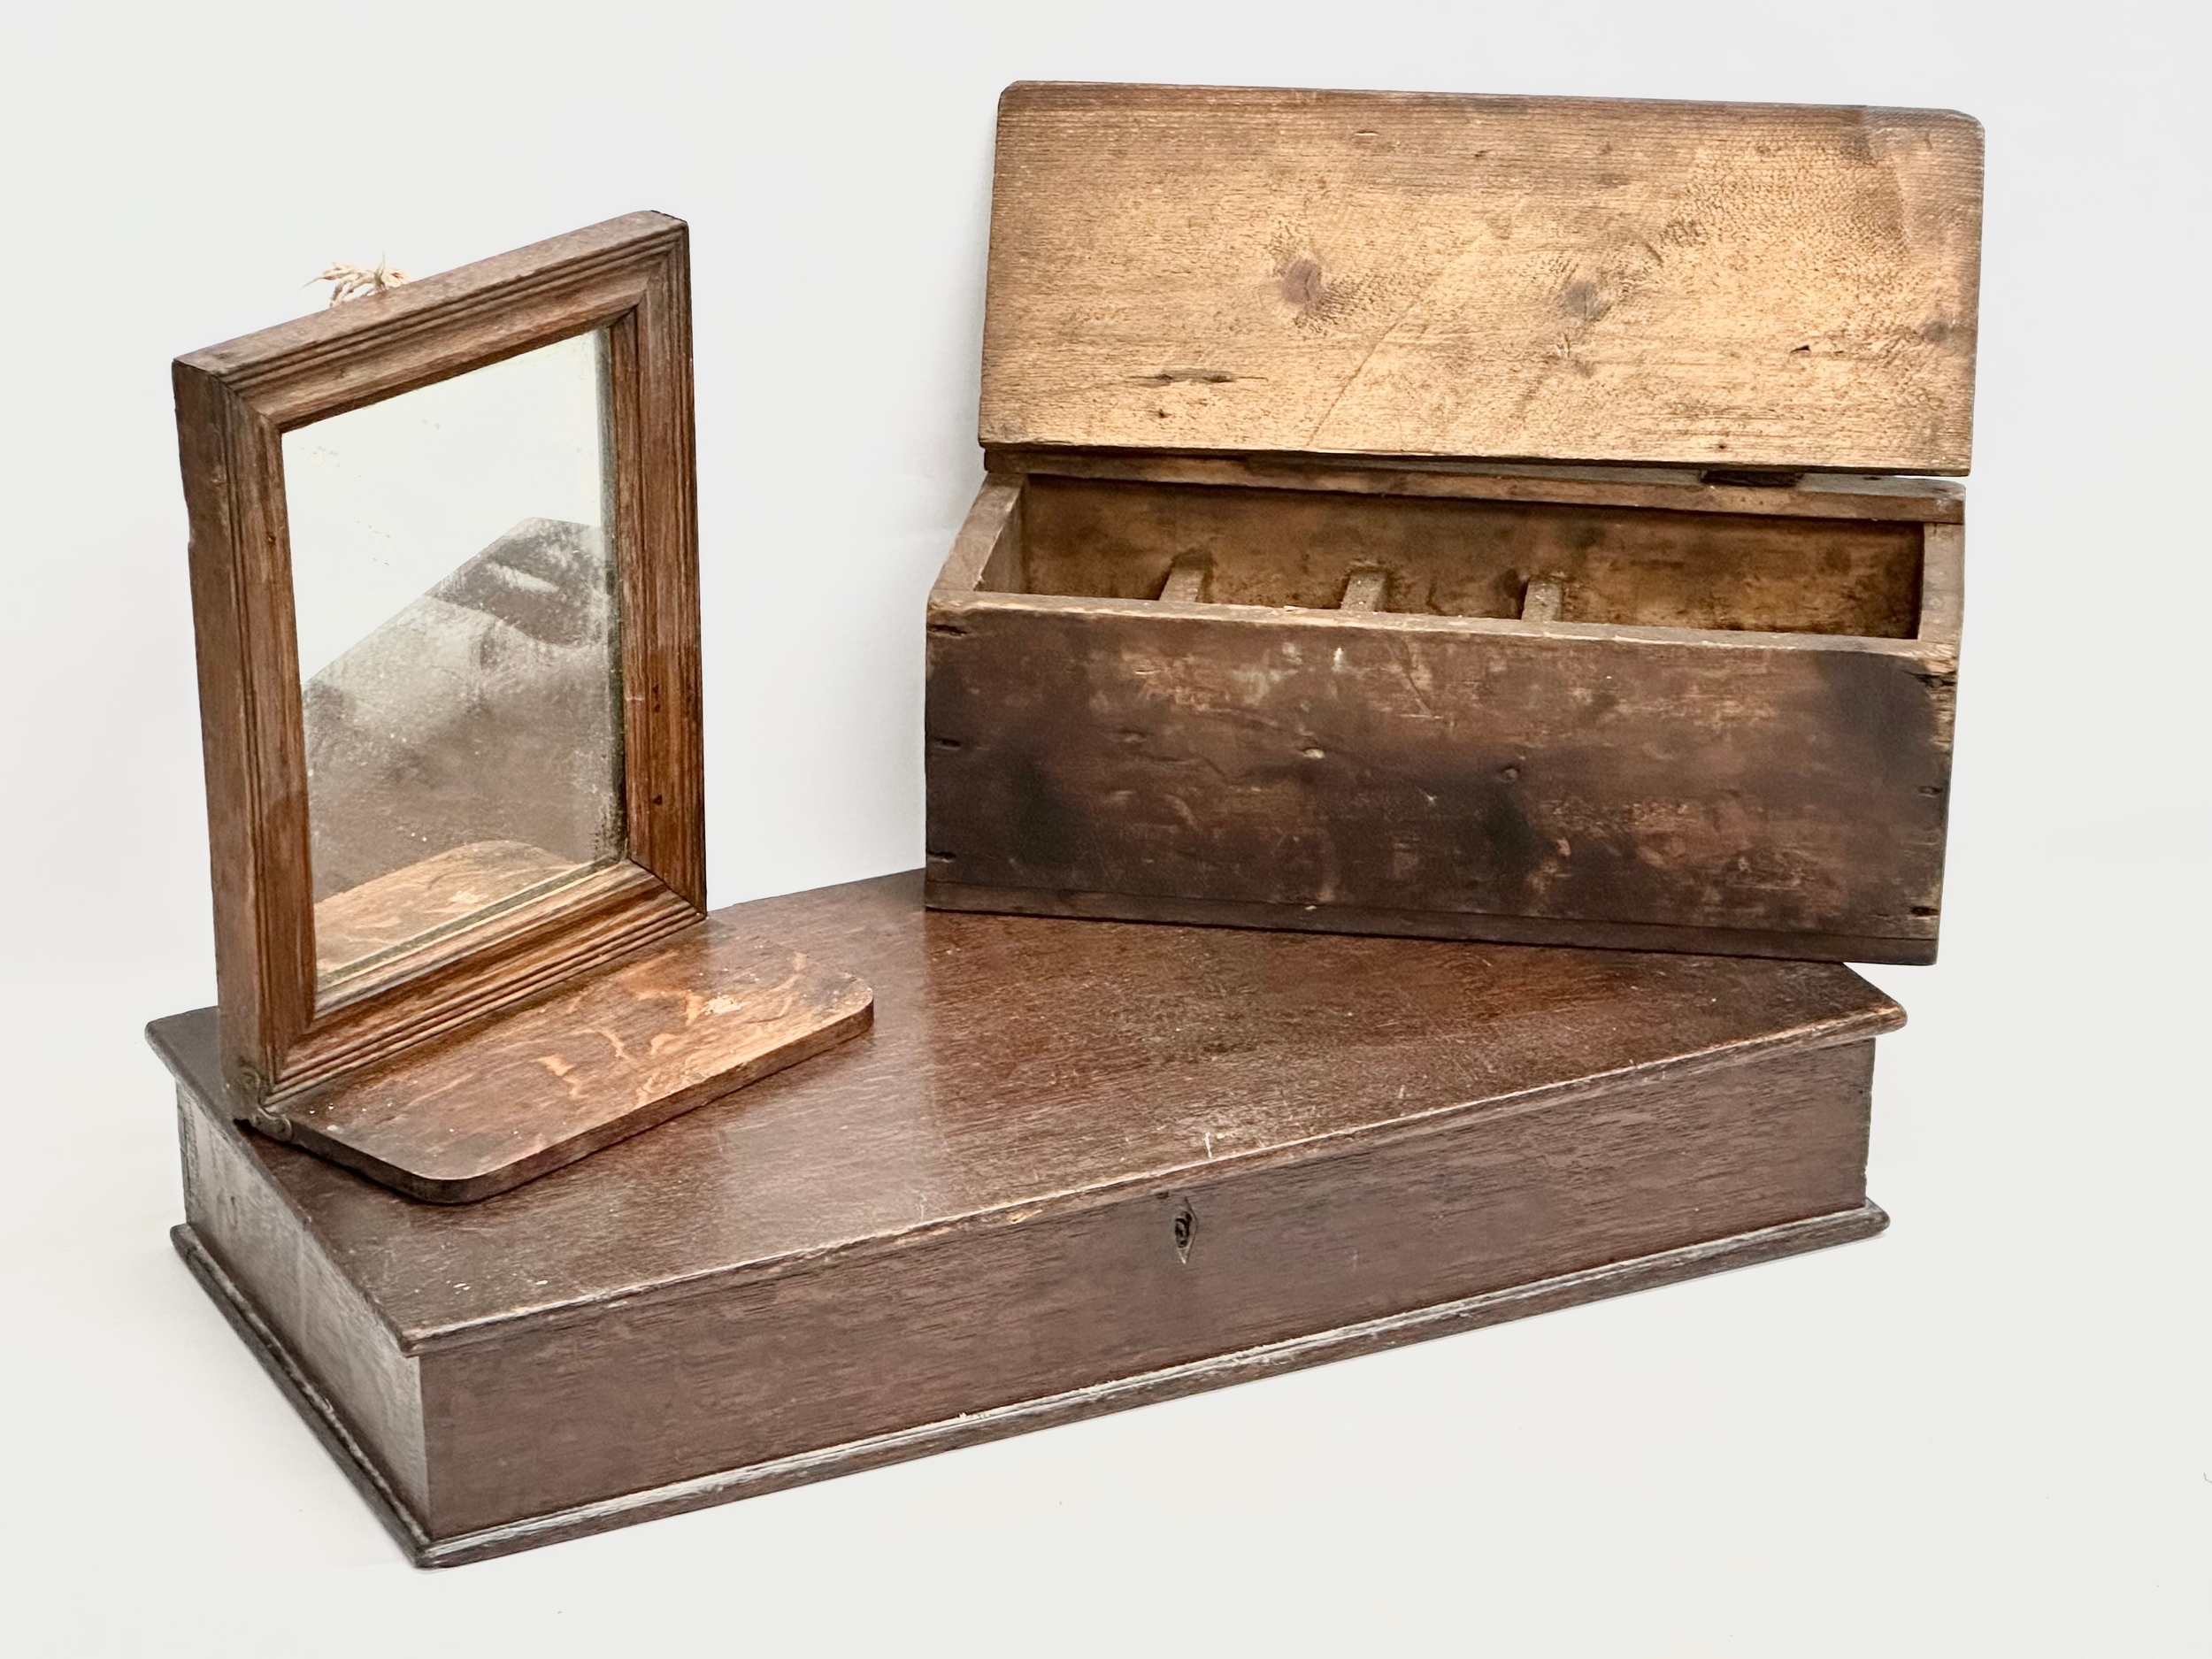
(1074, 1167)
(1475, 518)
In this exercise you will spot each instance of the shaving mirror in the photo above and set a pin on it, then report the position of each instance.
(445, 584)
(456, 611)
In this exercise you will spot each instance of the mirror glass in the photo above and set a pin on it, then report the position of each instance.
(455, 598)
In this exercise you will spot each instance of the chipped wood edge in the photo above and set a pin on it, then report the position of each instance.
(982, 542)
(1943, 588)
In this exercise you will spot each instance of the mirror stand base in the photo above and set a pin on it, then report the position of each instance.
(687, 1019)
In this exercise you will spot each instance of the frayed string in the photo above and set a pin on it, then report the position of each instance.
(353, 282)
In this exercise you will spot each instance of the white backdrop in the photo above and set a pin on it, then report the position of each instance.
(1989, 1431)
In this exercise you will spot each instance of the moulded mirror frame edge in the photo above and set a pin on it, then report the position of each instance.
(629, 276)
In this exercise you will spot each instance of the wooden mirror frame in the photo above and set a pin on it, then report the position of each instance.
(630, 276)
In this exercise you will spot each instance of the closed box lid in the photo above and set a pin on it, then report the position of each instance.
(1384, 273)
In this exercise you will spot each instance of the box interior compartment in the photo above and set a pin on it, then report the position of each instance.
(1536, 561)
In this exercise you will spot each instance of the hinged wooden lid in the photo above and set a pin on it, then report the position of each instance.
(1541, 279)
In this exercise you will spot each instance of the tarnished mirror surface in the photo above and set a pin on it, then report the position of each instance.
(456, 602)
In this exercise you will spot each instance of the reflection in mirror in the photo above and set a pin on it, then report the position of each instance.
(453, 592)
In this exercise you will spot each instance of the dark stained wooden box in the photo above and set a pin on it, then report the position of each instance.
(1074, 1167)
(1472, 517)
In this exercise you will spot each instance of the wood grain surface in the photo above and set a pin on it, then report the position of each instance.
(1085, 538)
(1733, 734)
(1416, 273)
(697, 1016)
(630, 276)
(1671, 489)
(1073, 1166)
(1526, 770)
(331, 1326)
(1002, 1069)
(329, 1421)
(400, 906)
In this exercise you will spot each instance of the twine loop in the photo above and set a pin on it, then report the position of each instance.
(353, 281)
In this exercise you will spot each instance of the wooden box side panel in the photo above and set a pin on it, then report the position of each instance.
(538, 1420)
(1402, 766)
(327, 1326)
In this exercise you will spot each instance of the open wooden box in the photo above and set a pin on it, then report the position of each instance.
(1464, 516)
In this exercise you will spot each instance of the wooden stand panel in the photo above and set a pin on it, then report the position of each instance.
(699, 1015)
(1075, 1166)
